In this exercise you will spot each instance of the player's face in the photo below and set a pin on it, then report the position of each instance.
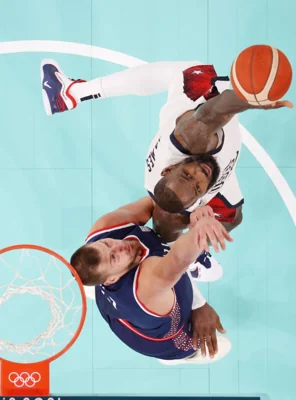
(118, 257)
(191, 181)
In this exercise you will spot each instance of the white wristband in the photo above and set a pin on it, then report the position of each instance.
(198, 299)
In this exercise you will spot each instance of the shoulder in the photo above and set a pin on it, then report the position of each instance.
(115, 232)
(198, 81)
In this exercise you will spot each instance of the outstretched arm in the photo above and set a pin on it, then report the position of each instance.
(138, 212)
(196, 132)
(161, 275)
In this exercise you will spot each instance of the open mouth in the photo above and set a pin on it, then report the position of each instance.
(207, 170)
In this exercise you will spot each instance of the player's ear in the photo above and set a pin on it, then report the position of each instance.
(111, 280)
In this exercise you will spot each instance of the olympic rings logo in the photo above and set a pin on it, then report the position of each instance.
(24, 379)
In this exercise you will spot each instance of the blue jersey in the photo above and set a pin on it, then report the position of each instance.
(161, 336)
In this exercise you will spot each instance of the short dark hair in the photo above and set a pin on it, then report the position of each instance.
(166, 198)
(84, 261)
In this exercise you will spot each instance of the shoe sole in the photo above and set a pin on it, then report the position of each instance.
(45, 98)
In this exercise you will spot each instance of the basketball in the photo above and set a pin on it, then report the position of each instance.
(261, 74)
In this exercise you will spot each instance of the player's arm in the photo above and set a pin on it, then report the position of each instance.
(138, 212)
(164, 273)
(158, 276)
(195, 133)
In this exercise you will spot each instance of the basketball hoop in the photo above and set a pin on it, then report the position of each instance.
(38, 272)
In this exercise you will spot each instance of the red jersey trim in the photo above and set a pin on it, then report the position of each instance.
(107, 229)
(131, 328)
(145, 248)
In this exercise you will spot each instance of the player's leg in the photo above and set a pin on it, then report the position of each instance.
(224, 347)
(61, 93)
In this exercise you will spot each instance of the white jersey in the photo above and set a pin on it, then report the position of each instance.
(165, 150)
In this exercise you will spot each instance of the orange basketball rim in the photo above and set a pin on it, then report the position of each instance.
(33, 379)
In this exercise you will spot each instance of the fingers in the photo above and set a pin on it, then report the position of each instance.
(214, 341)
(201, 212)
(211, 212)
(278, 104)
(284, 103)
(226, 234)
(203, 346)
(193, 219)
(220, 235)
(208, 340)
(210, 229)
(213, 239)
(205, 341)
(203, 242)
(195, 340)
(220, 327)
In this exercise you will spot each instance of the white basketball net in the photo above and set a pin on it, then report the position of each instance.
(51, 282)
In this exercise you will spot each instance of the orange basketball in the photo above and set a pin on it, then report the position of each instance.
(261, 74)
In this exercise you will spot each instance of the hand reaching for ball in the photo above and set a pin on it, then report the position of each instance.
(277, 104)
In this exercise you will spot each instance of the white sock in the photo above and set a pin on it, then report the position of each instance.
(144, 80)
(88, 90)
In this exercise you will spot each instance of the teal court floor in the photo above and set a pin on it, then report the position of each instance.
(59, 174)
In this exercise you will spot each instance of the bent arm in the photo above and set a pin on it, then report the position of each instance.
(138, 212)
(196, 132)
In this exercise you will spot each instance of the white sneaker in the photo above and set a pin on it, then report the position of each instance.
(224, 347)
(56, 88)
(206, 268)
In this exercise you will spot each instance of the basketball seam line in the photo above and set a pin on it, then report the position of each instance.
(251, 74)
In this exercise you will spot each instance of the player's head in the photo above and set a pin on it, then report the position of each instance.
(184, 183)
(105, 261)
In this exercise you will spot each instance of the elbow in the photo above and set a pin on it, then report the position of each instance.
(238, 217)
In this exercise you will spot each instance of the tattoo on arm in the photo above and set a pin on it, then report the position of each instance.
(195, 133)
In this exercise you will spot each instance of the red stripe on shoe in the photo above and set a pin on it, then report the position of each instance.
(74, 102)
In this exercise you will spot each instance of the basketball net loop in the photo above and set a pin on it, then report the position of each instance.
(33, 378)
